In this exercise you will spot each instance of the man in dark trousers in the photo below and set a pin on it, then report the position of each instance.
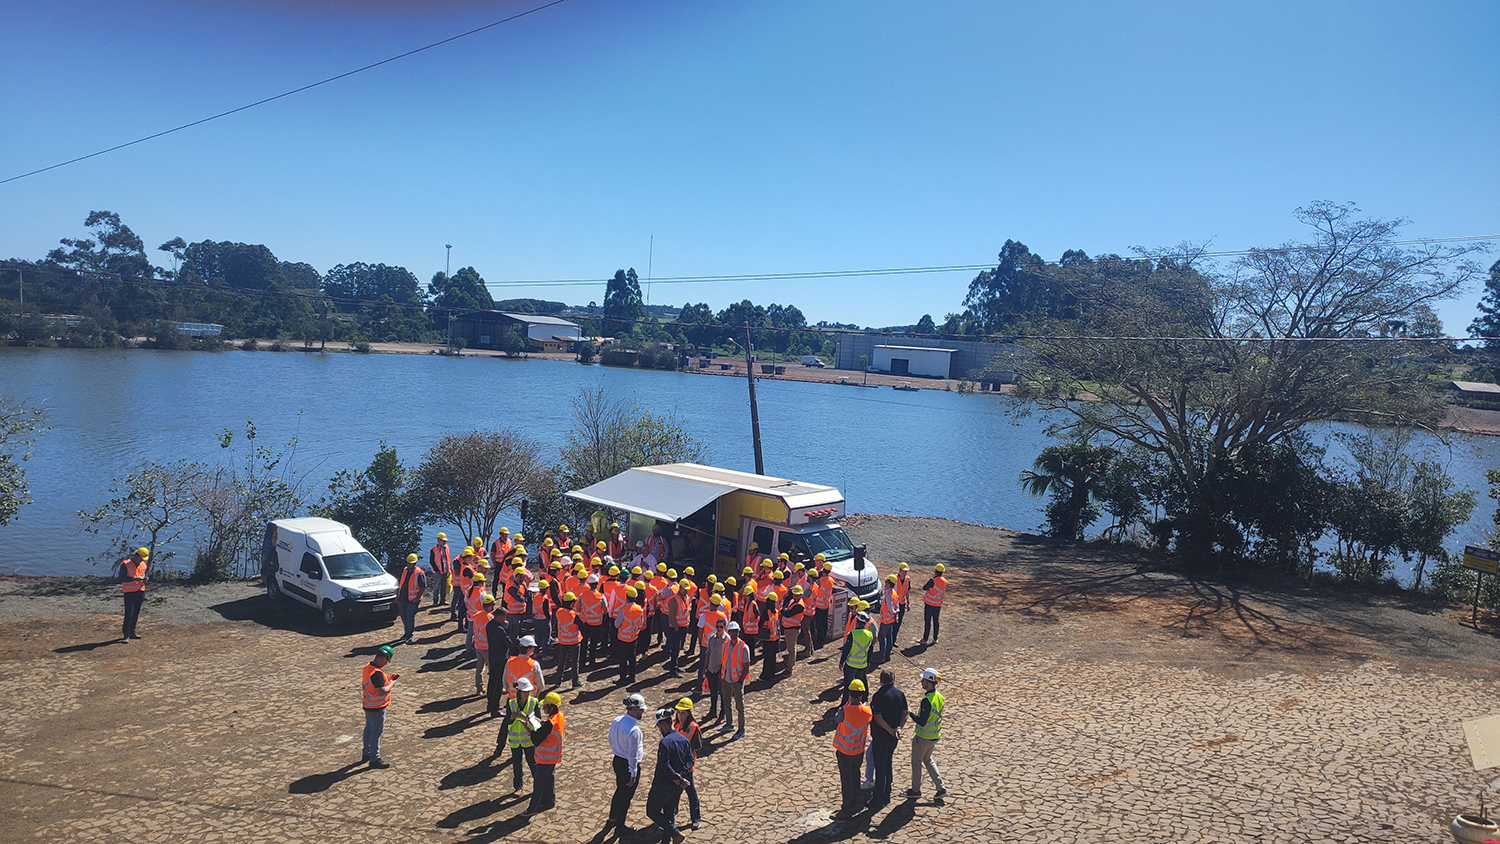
(410, 587)
(625, 742)
(501, 649)
(889, 709)
(132, 576)
(674, 759)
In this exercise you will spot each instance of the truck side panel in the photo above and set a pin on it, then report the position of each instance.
(732, 508)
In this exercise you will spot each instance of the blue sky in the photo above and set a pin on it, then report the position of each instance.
(749, 137)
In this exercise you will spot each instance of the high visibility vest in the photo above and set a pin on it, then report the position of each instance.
(687, 731)
(515, 599)
(657, 547)
(763, 587)
(517, 667)
(903, 588)
(549, 752)
(792, 615)
(440, 557)
(133, 568)
(614, 595)
(677, 611)
(375, 697)
(823, 596)
(616, 548)
(751, 623)
(888, 607)
(500, 548)
(539, 609)
(711, 620)
(591, 608)
(410, 587)
(664, 597)
(567, 627)
(934, 726)
(517, 734)
(934, 597)
(736, 661)
(463, 578)
(772, 624)
(859, 651)
(701, 601)
(481, 635)
(753, 560)
(849, 738)
(632, 619)
(471, 599)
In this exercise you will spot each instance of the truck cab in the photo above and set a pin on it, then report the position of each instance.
(318, 562)
(860, 577)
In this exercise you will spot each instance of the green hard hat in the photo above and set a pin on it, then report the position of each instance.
(386, 651)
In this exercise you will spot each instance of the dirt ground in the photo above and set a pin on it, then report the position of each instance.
(1093, 696)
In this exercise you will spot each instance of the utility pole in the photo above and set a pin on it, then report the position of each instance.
(760, 463)
(21, 279)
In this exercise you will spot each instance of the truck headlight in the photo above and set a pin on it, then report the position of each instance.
(353, 595)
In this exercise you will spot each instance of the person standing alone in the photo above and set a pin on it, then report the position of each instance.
(133, 587)
(410, 588)
(440, 562)
(376, 698)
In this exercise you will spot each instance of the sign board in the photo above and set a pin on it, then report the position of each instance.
(729, 546)
(1483, 735)
(1482, 559)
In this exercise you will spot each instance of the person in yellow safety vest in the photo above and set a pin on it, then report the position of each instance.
(440, 560)
(928, 726)
(472, 606)
(375, 691)
(932, 604)
(855, 657)
(889, 608)
(852, 723)
(632, 620)
(132, 576)
(524, 665)
(515, 731)
(548, 740)
(482, 641)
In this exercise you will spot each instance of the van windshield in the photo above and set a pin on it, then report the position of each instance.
(832, 543)
(351, 566)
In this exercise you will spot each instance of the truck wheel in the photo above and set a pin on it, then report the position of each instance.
(330, 616)
(273, 590)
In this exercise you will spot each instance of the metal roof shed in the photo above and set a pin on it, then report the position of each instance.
(659, 496)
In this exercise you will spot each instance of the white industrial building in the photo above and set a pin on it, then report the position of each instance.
(913, 360)
(547, 327)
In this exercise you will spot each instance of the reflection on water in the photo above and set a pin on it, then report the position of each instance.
(924, 453)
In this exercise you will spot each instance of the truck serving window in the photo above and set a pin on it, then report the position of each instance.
(832, 543)
(351, 566)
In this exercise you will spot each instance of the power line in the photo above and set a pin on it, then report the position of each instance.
(1002, 338)
(719, 279)
(284, 94)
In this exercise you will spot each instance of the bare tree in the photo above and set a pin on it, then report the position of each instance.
(157, 501)
(470, 479)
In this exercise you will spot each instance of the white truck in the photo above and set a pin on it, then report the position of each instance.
(318, 562)
(812, 360)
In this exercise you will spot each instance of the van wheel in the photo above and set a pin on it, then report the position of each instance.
(330, 616)
(273, 590)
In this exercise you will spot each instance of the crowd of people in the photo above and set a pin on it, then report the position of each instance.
(606, 604)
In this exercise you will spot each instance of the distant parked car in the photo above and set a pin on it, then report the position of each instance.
(874, 369)
(813, 361)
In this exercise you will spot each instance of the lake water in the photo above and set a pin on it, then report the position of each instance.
(924, 453)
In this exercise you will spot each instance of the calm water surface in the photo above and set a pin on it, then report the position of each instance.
(924, 453)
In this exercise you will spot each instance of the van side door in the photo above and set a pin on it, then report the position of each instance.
(308, 579)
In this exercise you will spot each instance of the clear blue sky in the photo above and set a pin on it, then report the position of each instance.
(749, 137)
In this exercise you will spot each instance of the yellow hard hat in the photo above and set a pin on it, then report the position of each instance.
(546, 543)
(684, 583)
(671, 574)
(562, 528)
(938, 568)
(772, 597)
(786, 557)
(556, 566)
(518, 566)
(748, 570)
(578, 557)
(600, 545)
(615, 525)
(778, 575)
(595, 561)
(688, 571)
(856, 685)
(468, 551)
(442, 535)
(411, 558)
(630, 592)
(543, 584)
(486, 598)
(890, 578)
(685, 705)
(748, 590)
(520, 537)
(904, 567)
(505, 530)
(614, 570)
(732, 582)
(800, 567)
(827, 566)
(635, 570)
(718, 587)
(578, 549)
(713, 578)
(552, 699)
(143, 553)
(796, 590)
(818, 557)
(715, 599)
(661, 567)
(754, 546)
(478, 542)
(569, 596)
(478, 577)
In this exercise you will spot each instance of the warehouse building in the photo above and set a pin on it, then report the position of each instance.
(930, 357)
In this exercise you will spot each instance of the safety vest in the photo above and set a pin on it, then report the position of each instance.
(737, 661)
(500, 548)
(903, 588)
(591, 608)
(632, 619)
(823, 593)
(517, 667)
(791, 616)
(859, 651)
(549, 752)
(375, 697)
(471, 600)
(687, 731)
(753, 561)
(849, 738)
(539, 606)
(888, 607)
(711, 621)
(751, 622)
(515, 599)
(133, 568)
(771, 622)
(657, 547)
(677, 611)
(463, 578)
(763, 588)
(616, 548)
(518, 734)
(567, 627)
(410, 586)
(934, 597)
(481, 635)
(614, 595)
(934, 726)
(441, 558)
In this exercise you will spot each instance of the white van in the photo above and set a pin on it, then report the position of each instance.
(318, 562)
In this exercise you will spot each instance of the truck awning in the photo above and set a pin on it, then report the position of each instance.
(650, 494)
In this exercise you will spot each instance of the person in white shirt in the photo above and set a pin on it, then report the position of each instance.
(629, 749)
(643, 557)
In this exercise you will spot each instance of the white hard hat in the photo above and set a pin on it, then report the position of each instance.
(593, 578)
(734, 625)
(528, 641)
(931, 674)
(523, 684)
(635, 702)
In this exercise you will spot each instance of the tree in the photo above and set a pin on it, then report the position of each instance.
(1487, 324)
(1021, 291)
(465, 291)
(20, 425)
(925, 325)
(113, 248)
(622, 302)
(375, 504)
(470, 479)
(240, 497)
(244, 266)
(372, 282)
(1197, 403)
(157, 501)
(1072, 474)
